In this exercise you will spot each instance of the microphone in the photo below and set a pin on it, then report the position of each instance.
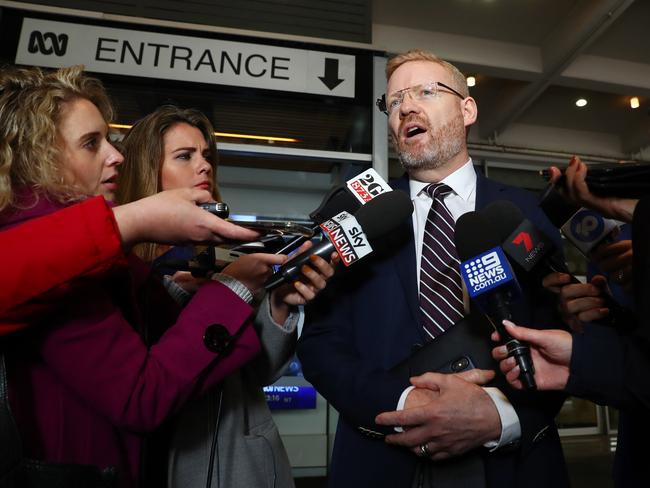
(584, 228)
(219, 209)
(491, 284)
(351, 236)
(356, 192)
(524, 243)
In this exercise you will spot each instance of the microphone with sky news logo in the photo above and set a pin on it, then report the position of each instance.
(491, 283)
(351, 236)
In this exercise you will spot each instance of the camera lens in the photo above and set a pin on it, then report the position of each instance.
(460, 364)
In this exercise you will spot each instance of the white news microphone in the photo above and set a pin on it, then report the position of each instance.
(350, 197)
(586, 229)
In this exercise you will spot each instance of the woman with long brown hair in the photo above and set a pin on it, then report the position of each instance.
(227, 438)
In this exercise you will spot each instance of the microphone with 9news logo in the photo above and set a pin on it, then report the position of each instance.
(491, 283)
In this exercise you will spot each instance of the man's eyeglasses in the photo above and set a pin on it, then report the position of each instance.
(427, 91)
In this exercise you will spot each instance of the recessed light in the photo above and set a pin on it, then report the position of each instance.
(471, 81)
(634, 102)
(581, 102)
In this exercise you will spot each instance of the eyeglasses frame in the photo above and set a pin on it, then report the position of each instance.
(381, 101)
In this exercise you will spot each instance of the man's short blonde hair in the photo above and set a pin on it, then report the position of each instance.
(458, 79)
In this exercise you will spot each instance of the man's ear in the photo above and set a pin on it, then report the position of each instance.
(470, 111)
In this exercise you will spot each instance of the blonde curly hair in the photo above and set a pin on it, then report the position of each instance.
(31, 102)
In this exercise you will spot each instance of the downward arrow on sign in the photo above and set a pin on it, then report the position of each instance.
(331, 78)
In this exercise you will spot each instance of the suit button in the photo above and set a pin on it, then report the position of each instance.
(217, 338)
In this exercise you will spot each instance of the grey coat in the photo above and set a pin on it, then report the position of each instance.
(249, 452)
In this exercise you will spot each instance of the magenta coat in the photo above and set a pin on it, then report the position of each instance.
(83, 386)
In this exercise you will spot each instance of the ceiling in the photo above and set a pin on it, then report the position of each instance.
(533, 59)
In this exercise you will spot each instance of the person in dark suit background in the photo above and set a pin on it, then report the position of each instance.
(602, 363)
(370, 320)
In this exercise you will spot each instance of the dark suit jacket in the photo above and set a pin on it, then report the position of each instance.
(611, 367)
(367, 322)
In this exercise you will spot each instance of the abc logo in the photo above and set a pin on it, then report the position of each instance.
(47, 43)
(587, 225)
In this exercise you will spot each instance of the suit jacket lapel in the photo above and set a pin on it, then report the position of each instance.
(406, 266)
(487, 191)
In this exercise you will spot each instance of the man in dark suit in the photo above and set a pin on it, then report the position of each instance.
(373, 318)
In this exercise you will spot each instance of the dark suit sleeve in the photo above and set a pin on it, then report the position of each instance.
(355, 385)
(608, 366)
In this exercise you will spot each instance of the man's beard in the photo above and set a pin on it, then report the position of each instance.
(444, 143)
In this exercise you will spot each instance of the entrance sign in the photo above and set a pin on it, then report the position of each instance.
(166, 56)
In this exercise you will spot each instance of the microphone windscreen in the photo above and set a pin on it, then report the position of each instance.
(556, 208)
(504, 217)
(384, 213)
(337, 200)
(474, 235)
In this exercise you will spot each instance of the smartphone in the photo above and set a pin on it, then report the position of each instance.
(272, 226)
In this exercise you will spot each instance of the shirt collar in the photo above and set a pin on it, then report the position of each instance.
(462, 182)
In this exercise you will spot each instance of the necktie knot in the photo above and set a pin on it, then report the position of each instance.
(438, 190)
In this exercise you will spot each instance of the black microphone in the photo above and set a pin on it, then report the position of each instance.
(357, 191)
(219, 209)
(524, 243)
(350, 236)
(491, 283)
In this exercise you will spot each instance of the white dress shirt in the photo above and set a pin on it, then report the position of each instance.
(461, 200)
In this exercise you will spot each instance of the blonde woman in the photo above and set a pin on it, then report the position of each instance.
(83, 386)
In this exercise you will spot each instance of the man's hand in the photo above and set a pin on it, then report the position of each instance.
(551, 353)
(578, 302)
(172, 217)
(454, 416)
(616, 259)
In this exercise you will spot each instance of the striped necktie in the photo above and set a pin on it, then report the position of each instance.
(441, 294)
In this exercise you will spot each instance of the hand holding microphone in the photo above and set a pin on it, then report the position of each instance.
(491, 283)
(351, 237)
(550, 351)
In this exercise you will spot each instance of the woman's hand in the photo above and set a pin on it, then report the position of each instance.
(551, 353)
(252, 270)
(578, 302)
(576, 190)
(313, 279)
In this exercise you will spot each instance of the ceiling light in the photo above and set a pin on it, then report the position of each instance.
(634, 102)
(229, 135)
(581, 102)
(471, 81)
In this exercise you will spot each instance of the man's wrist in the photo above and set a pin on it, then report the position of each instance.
(510, 427)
